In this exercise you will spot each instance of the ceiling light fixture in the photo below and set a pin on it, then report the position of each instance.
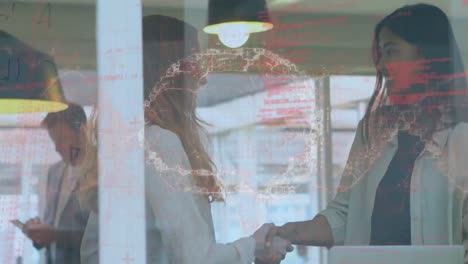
(234, 21)
(28, 79)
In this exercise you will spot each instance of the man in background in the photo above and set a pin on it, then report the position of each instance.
(61, 230)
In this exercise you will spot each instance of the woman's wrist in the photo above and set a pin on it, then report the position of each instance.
(287, 231)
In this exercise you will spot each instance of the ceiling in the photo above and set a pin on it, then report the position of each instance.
(357, 7)
(345, 44)
(321, 47)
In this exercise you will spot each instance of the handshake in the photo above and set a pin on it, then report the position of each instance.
(270, 248)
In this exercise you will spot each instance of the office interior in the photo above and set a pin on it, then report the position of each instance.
(274, 171)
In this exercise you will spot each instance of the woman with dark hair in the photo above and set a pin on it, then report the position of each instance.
(404, 182)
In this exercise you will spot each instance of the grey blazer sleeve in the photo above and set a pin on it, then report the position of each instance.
(51, 198)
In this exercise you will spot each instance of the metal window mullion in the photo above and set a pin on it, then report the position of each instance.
(122, 226)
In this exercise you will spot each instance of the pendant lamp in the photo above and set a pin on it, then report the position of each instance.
(234, 20)
(28, 79)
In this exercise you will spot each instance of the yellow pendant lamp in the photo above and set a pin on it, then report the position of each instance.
(28, 79)
(234, 21)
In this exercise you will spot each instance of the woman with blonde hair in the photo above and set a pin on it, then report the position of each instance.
(88, 194)
(179, 173)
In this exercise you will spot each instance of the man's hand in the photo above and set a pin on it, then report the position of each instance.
(30, 222)
(35, 220)
(42, 234)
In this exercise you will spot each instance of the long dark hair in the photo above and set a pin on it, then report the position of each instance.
(428, 28)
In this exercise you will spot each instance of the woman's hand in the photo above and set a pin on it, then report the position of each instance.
(315, 232)
(275, 253)
(260, 236)
(278, 247)
(286, 232)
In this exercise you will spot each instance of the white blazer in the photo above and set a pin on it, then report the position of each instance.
(179, 222)
(437, 201)
(180, 225)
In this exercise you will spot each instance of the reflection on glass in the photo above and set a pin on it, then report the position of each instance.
(236, 132)
(40, 156)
